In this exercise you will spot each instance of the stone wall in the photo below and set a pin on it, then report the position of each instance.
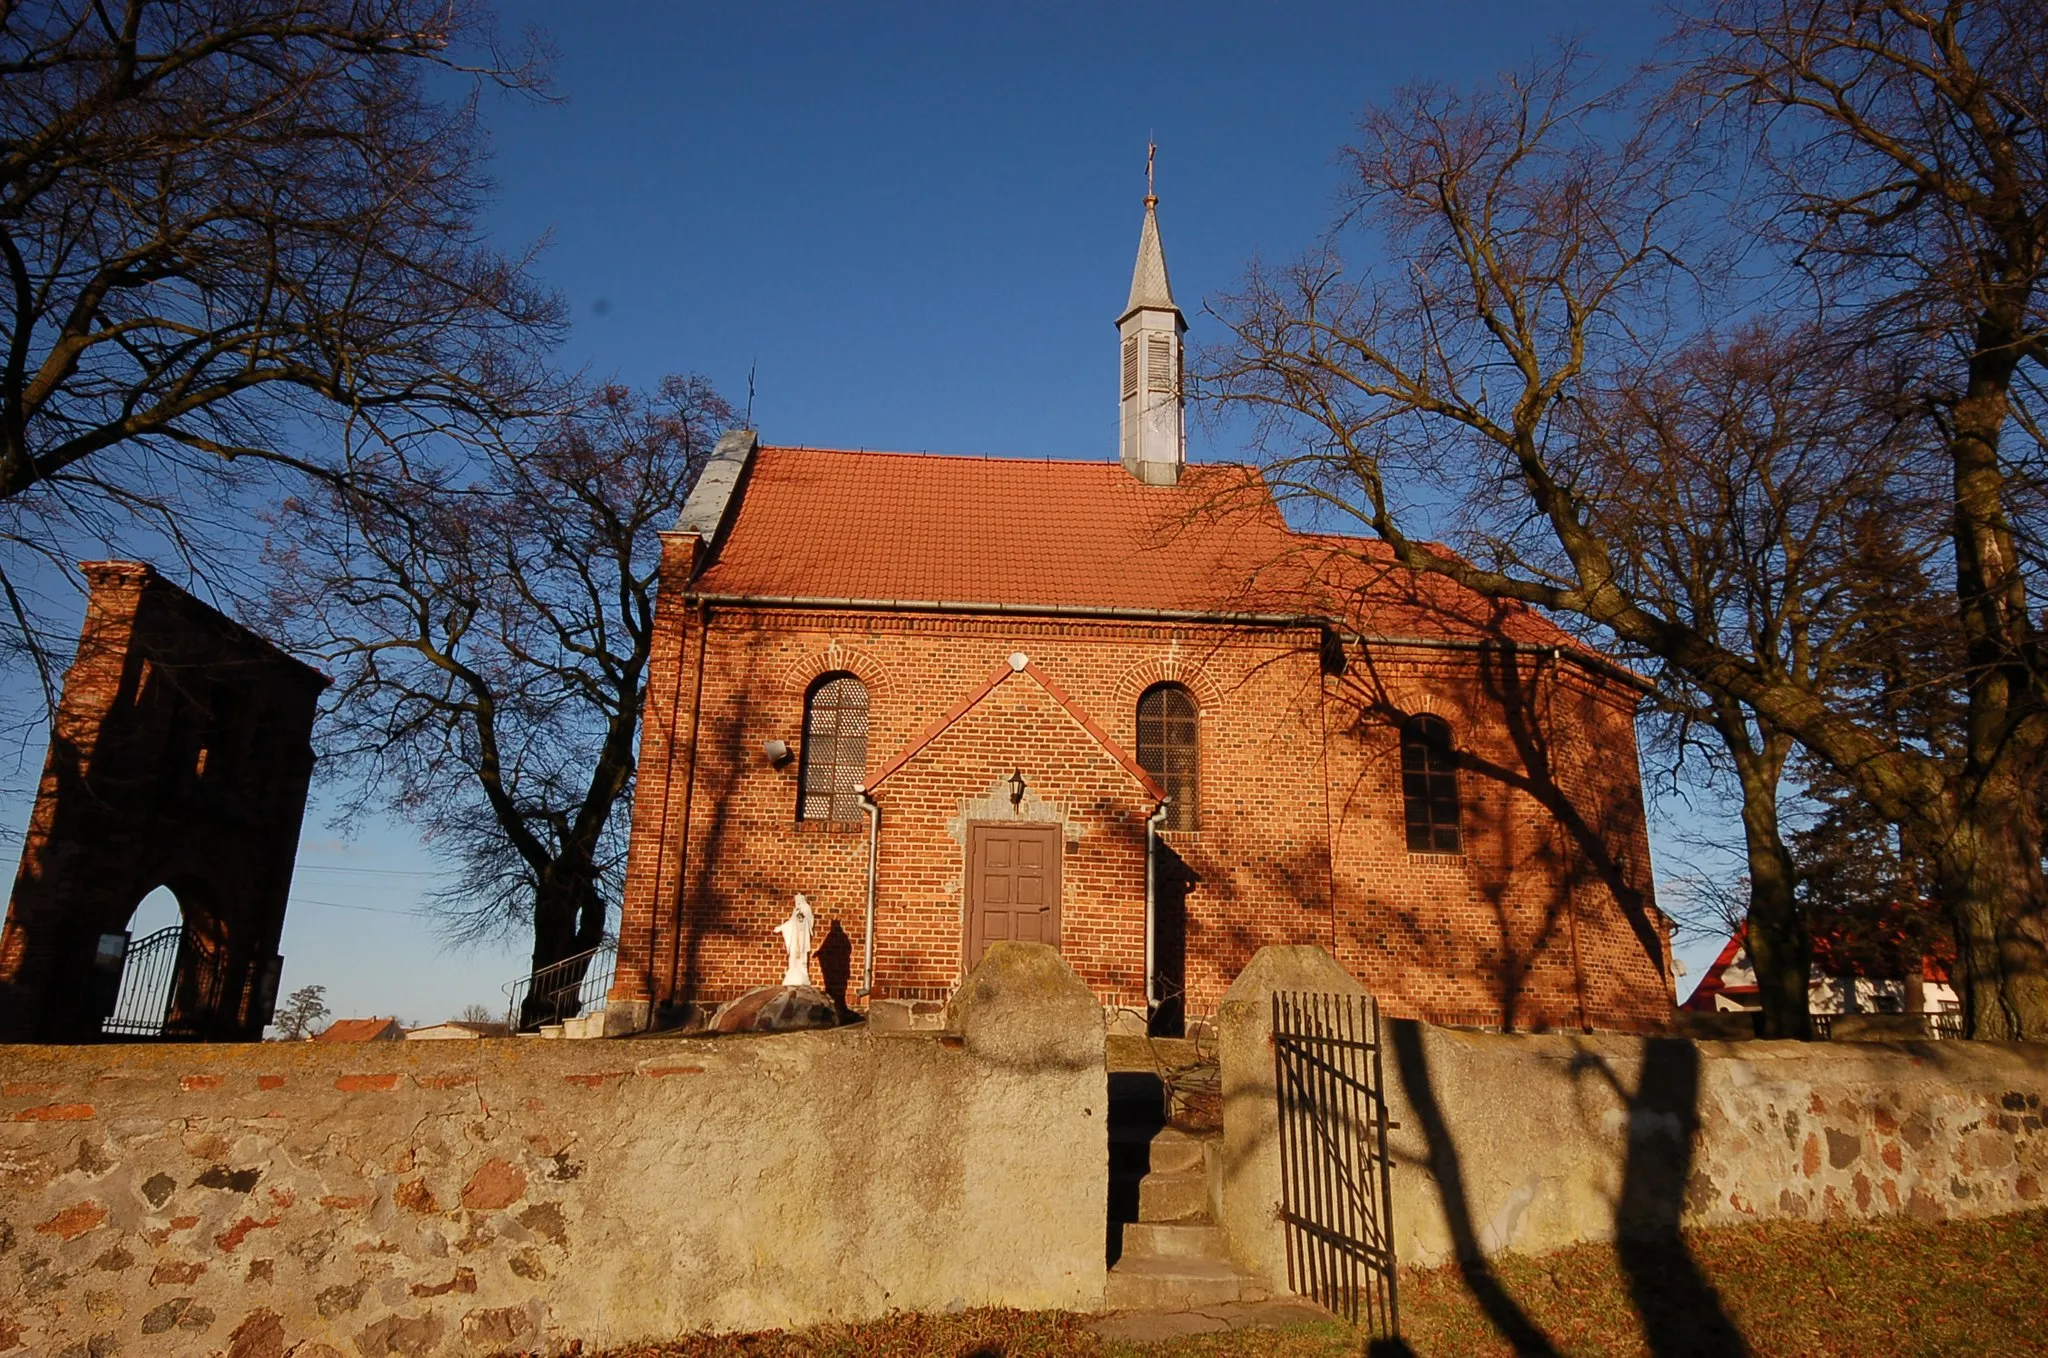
(1531, 1142)
(425, 1198)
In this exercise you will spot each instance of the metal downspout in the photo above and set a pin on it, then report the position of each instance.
(1152, 824)
(867, 966)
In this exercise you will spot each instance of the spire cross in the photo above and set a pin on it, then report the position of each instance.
(1151, 149)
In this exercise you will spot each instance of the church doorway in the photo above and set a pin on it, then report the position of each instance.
(1013, 885)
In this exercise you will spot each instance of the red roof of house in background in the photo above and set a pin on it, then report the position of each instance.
(1933, 968)
(361, 1030)
(1034, 533)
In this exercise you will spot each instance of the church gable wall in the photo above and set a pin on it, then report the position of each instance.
(1260, 862)
(961, 778)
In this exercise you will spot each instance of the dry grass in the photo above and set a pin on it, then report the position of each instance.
(1978, 1287)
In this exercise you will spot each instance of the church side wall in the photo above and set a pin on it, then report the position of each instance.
(1485, 939)
(1546, 919)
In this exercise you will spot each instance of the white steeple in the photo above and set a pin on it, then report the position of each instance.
(1151, 414)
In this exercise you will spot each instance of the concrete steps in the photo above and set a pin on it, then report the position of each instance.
(1174, 1240)
(1170, 1284)
(1169, 1253)
(1182, 1195)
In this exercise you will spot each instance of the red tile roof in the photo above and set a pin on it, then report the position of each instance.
(361, 1030)
(1025, 534)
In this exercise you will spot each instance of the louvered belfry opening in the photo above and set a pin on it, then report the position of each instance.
(1159, 374)
(1429, 785)
(1169, 748)
(835, 752)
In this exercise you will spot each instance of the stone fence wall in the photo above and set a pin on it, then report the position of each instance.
(1528, 1143)
(439, 1197)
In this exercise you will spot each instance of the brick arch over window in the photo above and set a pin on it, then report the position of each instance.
(1429, 785)
(835, 749)
(801, 676)
(1170, 749)
(1170, 669)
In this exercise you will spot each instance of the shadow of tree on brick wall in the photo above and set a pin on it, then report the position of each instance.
(1173, 879)
(1616, 821)
(1593, 847)
(697, 911)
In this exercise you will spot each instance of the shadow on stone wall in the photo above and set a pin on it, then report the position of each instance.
(1680, 1311)
(1448, 1172)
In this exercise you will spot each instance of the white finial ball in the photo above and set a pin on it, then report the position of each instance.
(1018, 660)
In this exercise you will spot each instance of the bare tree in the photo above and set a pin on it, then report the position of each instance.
(301, 1013)
(1535, 234)
(1909, 151)
(1765, 493)
(490, 643)
(235, 234)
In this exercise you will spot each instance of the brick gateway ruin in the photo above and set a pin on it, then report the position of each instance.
(179, 758)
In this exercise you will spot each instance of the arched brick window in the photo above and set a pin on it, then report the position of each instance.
(835, 752)
(1169, 748)
(1429, 785)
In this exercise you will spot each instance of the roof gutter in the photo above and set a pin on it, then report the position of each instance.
(1595, 664)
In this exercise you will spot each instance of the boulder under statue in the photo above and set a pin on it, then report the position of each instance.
(794, 1005)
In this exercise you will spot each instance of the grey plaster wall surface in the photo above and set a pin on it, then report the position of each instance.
(477, 1197)
(1532, 1142)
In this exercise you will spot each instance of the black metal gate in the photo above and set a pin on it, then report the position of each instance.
(1336, 1189)
(149, 978)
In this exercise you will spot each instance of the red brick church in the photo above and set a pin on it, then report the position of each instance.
(1122, 708)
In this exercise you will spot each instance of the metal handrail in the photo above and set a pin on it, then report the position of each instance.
(560, 990)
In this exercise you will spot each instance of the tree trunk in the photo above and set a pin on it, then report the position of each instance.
(1779, 944)
(1993, 885)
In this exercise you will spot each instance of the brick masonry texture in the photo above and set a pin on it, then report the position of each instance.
(501, 1196)
(1547, 919)
(179, 758)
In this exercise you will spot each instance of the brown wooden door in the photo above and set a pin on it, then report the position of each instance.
(1013, 886)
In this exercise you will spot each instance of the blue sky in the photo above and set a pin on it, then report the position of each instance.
(915, 225)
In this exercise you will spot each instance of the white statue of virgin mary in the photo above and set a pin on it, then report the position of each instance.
(796, 937)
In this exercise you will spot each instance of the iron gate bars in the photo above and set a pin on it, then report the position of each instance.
(149, 973)
(1336, 1195)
